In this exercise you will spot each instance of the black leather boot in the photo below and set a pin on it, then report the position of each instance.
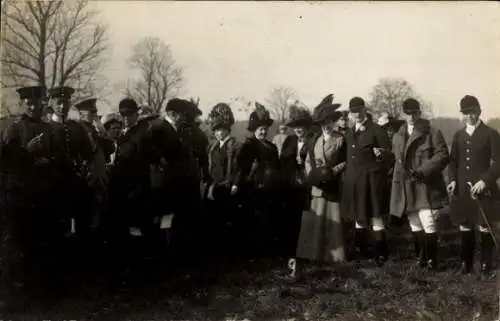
(467, 246)
(487, 246)
(419, 241)
(431, 250)
(361, 241)
(381, 247)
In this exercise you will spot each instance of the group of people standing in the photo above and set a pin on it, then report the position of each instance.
(131, 176)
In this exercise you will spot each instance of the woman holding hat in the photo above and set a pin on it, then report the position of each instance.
(257, 179)
(221, 167)
(295, 190)
(474, 171)
(321, 237)
(418, 188)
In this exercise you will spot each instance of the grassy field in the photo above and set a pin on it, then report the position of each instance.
(254, 290)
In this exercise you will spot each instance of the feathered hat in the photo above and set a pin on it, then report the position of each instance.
(299, 117)
(259, 117)
(221, 116)
(326, 111)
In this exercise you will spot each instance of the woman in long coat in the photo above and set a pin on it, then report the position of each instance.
(295, 191)
(321, 237)
(418, 188)
(256, 181)
(222, 206)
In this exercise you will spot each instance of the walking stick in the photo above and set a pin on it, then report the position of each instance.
(488, 226)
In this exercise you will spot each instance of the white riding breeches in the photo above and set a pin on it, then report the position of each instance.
(423, 220)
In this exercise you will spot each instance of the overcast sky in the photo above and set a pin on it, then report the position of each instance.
(445, 50)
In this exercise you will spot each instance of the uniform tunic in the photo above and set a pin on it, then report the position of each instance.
(321, 236)
(72, 154)
(365, 189)
(24, 191)
(475, 157)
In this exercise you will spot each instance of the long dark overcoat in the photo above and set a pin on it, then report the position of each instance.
(424, 151)
(475, 158)
(365, 187)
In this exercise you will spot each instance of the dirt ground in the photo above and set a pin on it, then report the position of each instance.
(255, 290)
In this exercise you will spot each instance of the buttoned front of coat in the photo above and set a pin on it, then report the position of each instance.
(425, 152)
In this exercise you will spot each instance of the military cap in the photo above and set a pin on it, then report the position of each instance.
(469, 104)
(61, 92)
(32, 92)
(128, 105)
(356, 104)
(411, 106)
(87, 105)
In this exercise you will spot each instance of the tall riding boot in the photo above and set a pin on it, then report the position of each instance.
(431, 250)
(419, 241)
(361, 241)
(487, 246)
(467, 246)
(381, 247)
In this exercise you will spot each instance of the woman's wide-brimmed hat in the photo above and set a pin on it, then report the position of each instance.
(326, 111)
(259, 117)
(221, 116)
(299, 117)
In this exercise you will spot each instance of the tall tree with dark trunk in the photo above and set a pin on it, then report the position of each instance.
(54, 43)
(278, 102)
(388, 96)
(159, 78)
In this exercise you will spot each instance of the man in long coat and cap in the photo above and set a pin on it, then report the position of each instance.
(179, 184)
(25, 176)
(418, 187)
(365, 190)
(474, 171)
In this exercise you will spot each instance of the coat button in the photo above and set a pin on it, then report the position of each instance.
(468, 142)
(353, 146)
(353, 156)
(467, 158)
(468, 150)
(467, 167)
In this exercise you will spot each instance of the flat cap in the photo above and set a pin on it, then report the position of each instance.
(61, 92)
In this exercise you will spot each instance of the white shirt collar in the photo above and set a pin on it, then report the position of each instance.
(471, 128)
(56, 118)
(222, 142)
(358, 125)
(171, 122)
(410, 128)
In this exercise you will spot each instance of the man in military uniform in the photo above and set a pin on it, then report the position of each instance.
(24, 165)
(365, 191)
(72, 155)
(473, 173)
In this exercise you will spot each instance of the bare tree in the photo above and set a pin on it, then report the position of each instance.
(388, 96)
(54, 43)
(159, 76)
(279, 101)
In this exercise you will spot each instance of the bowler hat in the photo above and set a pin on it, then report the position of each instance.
(469, 104)
(128, 105)
(411, 106)
(356, 104)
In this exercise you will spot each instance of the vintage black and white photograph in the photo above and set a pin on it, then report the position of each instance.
(244, 160)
